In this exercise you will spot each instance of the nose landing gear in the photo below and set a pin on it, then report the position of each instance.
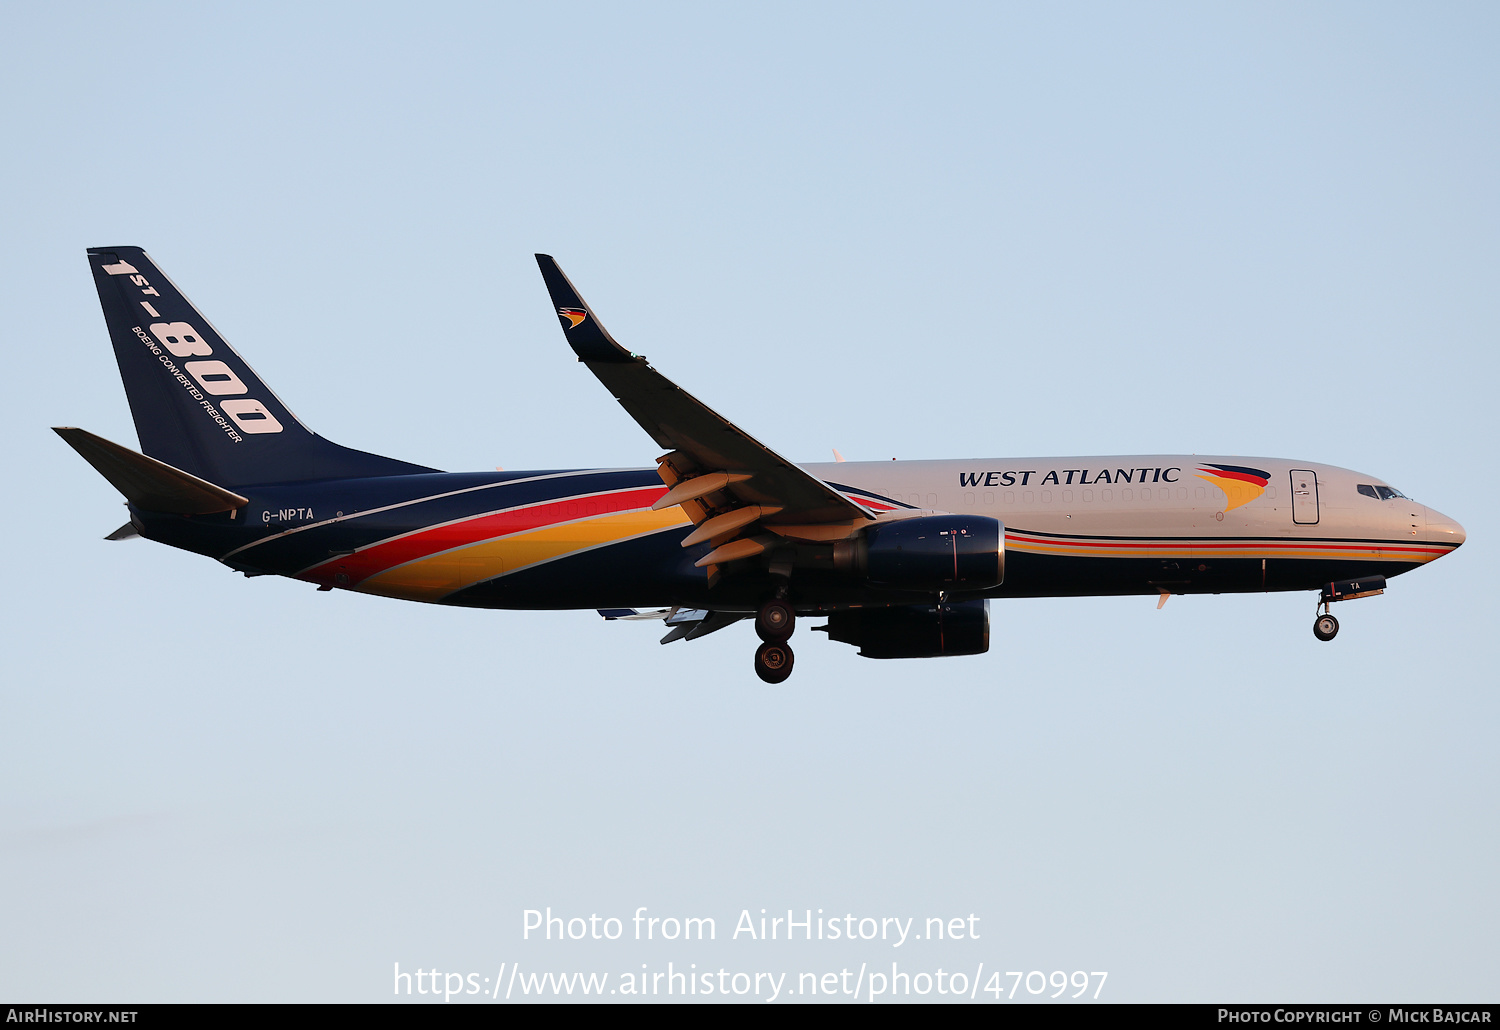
(774, 623)
(1325, 626)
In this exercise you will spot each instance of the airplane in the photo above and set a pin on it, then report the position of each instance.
(901, 557)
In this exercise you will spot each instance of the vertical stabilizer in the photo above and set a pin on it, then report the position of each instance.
(197, 405)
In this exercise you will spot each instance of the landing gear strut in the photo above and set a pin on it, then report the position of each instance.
(1325, 626)
(774, 623)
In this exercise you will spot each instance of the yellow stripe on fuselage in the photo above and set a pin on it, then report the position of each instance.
(432, 578)
(1416, 553)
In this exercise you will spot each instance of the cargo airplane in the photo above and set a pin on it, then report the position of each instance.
(901, 557)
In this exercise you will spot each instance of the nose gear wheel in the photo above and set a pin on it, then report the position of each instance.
(1325, 627)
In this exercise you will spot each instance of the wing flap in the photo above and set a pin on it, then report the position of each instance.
(728, 524)
(702, 441)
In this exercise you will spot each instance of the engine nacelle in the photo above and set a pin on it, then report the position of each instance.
(915, 630)
(933, 552)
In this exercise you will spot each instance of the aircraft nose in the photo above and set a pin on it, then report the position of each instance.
(1443, 530)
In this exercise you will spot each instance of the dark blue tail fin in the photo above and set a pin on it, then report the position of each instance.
(197, 405)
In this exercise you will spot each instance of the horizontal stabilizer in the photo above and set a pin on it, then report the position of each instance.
(125, 532)
(147, 483)
(631, 614)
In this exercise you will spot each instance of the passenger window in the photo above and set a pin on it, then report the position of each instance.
(989, 498)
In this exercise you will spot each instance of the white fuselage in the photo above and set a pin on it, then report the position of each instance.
(1195, 514)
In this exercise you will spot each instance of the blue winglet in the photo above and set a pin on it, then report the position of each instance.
(588, 338)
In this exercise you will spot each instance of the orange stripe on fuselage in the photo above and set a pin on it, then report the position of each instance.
(377, 558)
(1224, 549)
(434, 577)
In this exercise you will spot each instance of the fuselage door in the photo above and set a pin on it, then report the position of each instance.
(1304, 497)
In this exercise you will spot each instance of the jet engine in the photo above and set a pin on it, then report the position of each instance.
(932, 552)
(914, 630)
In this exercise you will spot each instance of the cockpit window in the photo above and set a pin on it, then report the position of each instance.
(1381, 493)
(1368, 490)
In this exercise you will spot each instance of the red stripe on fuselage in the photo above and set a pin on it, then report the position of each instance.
(1196, 542)
(376, 558)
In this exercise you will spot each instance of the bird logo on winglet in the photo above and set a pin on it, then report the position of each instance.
(573, 316)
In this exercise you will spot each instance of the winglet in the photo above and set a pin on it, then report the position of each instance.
(588, 338)
(706, 452)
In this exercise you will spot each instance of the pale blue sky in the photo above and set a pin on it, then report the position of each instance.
(912, 231)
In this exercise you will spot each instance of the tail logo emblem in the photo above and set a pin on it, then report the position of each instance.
(573, 316)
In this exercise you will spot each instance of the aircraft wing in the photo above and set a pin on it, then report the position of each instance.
(730, 484)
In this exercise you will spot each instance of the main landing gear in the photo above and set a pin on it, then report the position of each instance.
(774, 623)
(773, 662)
